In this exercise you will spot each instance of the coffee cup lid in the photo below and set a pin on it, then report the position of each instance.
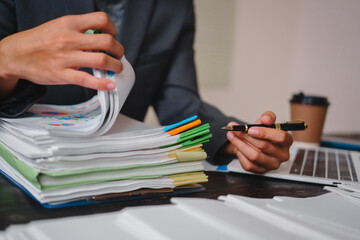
(301, 98)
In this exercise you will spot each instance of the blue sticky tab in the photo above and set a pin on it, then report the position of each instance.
(111, 73)
(222, 168)
(167, 128)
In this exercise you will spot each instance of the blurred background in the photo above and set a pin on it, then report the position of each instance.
(252, 55)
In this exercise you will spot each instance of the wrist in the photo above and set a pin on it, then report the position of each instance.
(7, 83)
(8, 80)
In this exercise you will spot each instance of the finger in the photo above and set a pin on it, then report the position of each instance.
(236, 133)
(87, 80)
(249, 166)
(97, 60)
(104, 42)
(267, 147)
(267, 118)
(274, 135)
(232, 123)
(252, 154)
(96, 20)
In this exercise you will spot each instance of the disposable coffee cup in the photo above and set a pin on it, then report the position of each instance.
(312, 110)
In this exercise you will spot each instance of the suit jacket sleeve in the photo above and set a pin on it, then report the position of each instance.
(180, 98)
(26, 93)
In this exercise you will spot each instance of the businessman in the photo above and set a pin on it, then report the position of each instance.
(44, 57)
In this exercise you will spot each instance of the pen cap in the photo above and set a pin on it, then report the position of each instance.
(311, 109)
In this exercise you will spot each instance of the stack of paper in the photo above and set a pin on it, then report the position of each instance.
(63, 155)
(234, 217)
(349, 191)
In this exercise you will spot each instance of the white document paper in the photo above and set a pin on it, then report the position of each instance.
(94, 117)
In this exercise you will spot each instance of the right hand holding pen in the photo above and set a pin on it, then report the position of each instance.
(51, 53)
(260, 149)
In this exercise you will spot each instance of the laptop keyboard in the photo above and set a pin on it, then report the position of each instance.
(330, 164)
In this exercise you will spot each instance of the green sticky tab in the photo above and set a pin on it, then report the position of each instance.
(171, 145)
(93, 31)
(192, 142)
(195, 130)
(192, 136)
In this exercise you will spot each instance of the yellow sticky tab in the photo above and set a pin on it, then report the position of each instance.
(193, 153)
(189, 156)
(193, 148)
(200, 180)
(188, 178)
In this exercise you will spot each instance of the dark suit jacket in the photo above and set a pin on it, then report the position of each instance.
(158, 40)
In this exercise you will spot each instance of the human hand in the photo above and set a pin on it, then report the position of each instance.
(260, 149)
(51, 53)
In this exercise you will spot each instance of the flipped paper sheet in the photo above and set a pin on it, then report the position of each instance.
(93, 117)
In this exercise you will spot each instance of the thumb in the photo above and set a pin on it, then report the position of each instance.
(266, 118)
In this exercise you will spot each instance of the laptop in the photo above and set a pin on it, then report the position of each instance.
(313, 164)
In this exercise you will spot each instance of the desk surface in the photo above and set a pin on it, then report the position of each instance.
(16, 207)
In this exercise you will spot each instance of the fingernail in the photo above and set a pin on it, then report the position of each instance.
(253, 132)
(230, 135)
(111, 86)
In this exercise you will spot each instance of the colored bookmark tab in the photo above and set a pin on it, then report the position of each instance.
(188, 155)
(168, 128)
(188, 178)
(196, 141)
(195, 131)
(185, 127)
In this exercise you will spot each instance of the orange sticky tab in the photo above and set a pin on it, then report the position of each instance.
(185, 127)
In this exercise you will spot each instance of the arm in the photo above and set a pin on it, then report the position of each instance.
(15, 95)
(7, 27)
(180, 99)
